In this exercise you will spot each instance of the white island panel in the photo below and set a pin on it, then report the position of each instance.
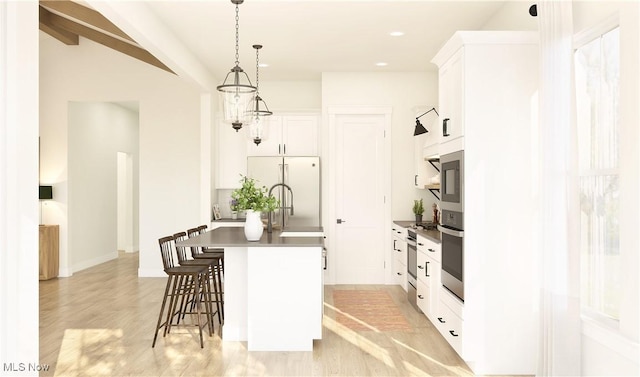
(284, 298)
(235, 294)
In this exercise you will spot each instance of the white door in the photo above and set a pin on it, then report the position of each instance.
(359, 199)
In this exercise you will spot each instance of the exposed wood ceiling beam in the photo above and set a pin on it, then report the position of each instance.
(62, 35)
(102, 31)
(86, 15)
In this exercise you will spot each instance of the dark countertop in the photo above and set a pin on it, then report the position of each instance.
(229, 220)
(433, 235)
(234, 237)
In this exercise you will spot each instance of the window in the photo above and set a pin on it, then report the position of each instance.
(597, 70)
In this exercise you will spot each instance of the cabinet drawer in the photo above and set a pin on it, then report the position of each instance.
(450, 326)
(430, 248)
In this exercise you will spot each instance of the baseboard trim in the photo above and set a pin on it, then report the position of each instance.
(93, 262)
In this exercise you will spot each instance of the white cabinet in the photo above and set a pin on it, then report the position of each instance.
(451, 99)
(231, 156)
(449, 321)
(291, 135)
(429, 265)
(399, 258)
(421, 178)
(488, 85)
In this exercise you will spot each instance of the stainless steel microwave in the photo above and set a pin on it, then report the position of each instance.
(452, 181)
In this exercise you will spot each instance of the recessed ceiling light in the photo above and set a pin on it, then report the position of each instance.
(263, 65)
(396, 33)
(381, 64)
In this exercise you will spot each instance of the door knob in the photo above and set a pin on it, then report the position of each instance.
(340, 221)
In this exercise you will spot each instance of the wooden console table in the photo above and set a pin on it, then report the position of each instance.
(49, 251)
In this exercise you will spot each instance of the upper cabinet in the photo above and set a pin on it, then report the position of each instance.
(451, 99)
(290, 135)
(232, 155)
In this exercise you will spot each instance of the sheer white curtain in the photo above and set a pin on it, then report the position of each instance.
(559, 337)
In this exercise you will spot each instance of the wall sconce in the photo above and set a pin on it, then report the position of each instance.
(419, 127)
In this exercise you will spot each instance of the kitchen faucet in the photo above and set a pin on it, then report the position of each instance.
(282, 207)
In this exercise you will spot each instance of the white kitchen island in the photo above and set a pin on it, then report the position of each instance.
(273, 288)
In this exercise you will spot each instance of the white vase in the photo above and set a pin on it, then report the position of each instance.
(253, 226)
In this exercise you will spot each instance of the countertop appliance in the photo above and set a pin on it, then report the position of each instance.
(297, 185)
(412, 268)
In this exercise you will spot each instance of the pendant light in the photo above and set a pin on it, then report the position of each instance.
(257, 107)
(236, 90)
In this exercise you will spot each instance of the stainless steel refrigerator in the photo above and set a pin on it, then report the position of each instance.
(302, 175)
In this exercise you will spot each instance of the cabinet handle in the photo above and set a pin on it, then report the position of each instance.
(445, 122)
(399, 274)
(420, 297)
(399, 232)
(284, 148)
(441, 321)
(426, 268)
(394, 244)
(420, 267)
(420, 244)
(279, 149)
(431, 250)
(415, 180)
(452, 332)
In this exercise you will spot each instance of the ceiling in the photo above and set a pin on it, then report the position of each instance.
(304, 38)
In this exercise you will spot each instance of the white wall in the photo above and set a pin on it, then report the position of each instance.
(291, 96)
(18, 179)
(170, 143)
(513, 15)
(403, 92)
(605, 351)
(97, 132)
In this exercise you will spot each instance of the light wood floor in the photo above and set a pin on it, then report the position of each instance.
(101, 321)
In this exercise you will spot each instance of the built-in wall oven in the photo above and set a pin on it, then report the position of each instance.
(452, 222)
(412, 268)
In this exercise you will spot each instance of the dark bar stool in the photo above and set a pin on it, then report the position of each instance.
(212, 263)
(208, 253)
(184, 283)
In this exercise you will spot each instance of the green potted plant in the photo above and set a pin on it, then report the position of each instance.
(254, 200)
(418, 210)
